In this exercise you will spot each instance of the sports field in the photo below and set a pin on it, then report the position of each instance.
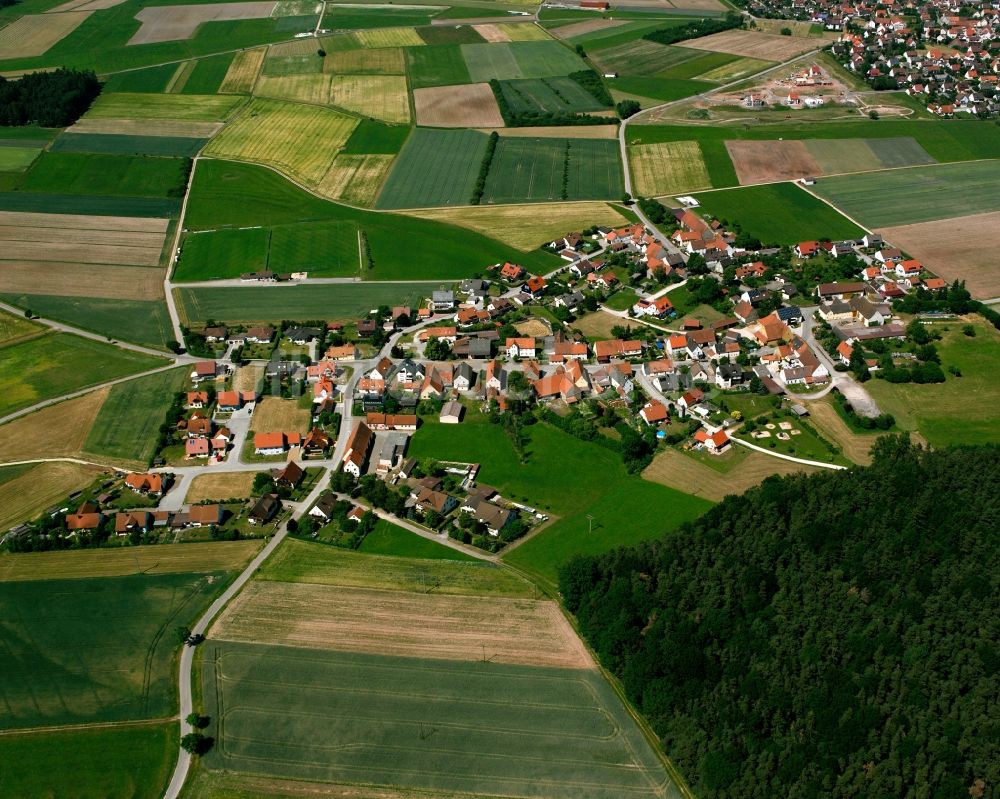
(34, 490)
(781, 213)
(921, 194)
(435, 167)
(469, 106)
(485, 728)
(402, 624)
(59, 363)
(128, 425)
(119, 562)
(507, 61)
(668, 167)
(132, 762)
(103, 649)
(527, 226)
(545, 169)
(961, 248)
(298, 139)
(126, 105)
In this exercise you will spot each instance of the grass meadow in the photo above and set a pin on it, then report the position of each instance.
(127, 426)
(132, 762)
(100, 649)
(388, 539)
(481, 728)
(92, 204)
(114, 144)
(115, 175)
(437, 65)
(56, 364)
(780, 213)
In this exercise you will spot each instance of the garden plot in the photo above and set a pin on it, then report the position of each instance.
(668, 168)
(34, 34)
(765, 46)
(172, 23)
(469, 106)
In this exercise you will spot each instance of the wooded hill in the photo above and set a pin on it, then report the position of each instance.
(836, 635)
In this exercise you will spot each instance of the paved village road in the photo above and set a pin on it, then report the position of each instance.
(844, 382)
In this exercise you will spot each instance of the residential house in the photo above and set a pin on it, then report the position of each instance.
(343, 352)
(86, 518)
(660, 308)
(215, 334)
(205, 370)
(604, 351)
(654, 412)
(839, 291)
(324, 507)
(438, 501)
(146, 484)
(512, 272)
(493, 517)
(689, 400)
(443, 300)
(356, 453)
(196, 399)
(464, 377)
(133, 521)
(389, 421)
(535, 286)
(728, 375)
(260, 335)
(228, 401)
(391, 452)
(302, 336)
(315, 444)
(197, 448)
(205, 515)
(715, 443)
(563, 350)
(265, 509)
(274, 443)
(520, 347)
(288, 476)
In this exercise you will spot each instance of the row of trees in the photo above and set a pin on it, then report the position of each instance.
(696, 29)
(520, 118)
(829, 635)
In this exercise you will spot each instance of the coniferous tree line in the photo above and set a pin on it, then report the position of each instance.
(696, 29)
(834, 635)
(50, 99)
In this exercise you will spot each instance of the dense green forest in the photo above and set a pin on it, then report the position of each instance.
(833, 635)
(50, 99)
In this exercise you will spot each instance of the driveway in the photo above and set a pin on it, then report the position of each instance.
(844, 382)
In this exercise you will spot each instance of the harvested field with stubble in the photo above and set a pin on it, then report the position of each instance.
(301, 140)
(677, 470)
(220, 486)
(55, 432)
(274, 415)
(961, 248)
(765, 46)
(527, 226)
(148, 127)
(668, 168)
(172, 23)
(470, 106)
(27, 495)
(771, 161)
(34, 34)
(243, 71)
(163, 559)
(382, 97)
(384, 61)
(388, 37)
(587, 26)
(73, 280)
(402, 624)
(356, 178)
(515, 32)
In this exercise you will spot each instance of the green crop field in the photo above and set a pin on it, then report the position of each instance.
(115, 175)
(388, 539)
(700, 64)
(374, 137)
(544, 483)
(439, 65)
(307, 562)
(208, 74)
(548, 95)
(115, 144)
(921, 194)
(603, 38)
(126, 105)
(450, 34)
(510, 60)
(962, 410)
(138, 321)
(97, 649)
(779, 213)
(661, 89)
(17, 159)
(321, 248)
(481, 728)
(149, 80)
(641, 57)
(435, 167)
(127, 426)
(217, 254)
(526, 169)
(860, 155)
(131, 762)
(100, 205)
(56, 364)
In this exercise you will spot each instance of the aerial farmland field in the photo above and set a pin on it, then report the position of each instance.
(163, 106)
(243, 71)
(470, 106)
(114, 144)
(548, 95)
(383, 61)
(30, 493)
(438, 65)
(115, 175)
(383, 97)
(668, 167)
(520, 60)
(435, 167)
(356, 179)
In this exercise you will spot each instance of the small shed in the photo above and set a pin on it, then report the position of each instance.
(451, 412)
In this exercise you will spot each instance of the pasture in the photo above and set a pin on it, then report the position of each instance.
(220, 486)
(274, 414)
(763, 46)
(102, 649)
(115, 175)
(402, 624)
(438, 65)
(921, 194)
(668, 168)
(519, 60)
(79, 564)
(543, 169)
(298, 139)
(469, 106)
(962, 410)
(527, 226)
(26, 496)
(481, 728)
(319, 564)
(56, 364)
(435, 167)
(139, 321)
(242, 73)
(127, 427)
(960, 249)
(56, 431)
(132, 762)
(781, 213)
(196, 108)
(388, 539)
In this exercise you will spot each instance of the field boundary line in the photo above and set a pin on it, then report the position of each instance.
(97, 725)
(834, 207)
